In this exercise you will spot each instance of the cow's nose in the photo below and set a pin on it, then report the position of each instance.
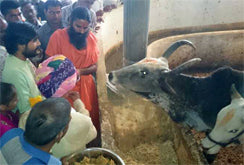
(110, 76)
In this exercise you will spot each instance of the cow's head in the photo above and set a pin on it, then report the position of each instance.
(142, 77)
(229, 125)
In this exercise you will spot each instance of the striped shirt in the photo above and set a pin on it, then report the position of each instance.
(15, 150)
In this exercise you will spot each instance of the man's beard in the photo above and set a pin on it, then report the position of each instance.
(32, 53)
(77, 39)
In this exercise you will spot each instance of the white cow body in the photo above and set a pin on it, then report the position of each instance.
(229, 125)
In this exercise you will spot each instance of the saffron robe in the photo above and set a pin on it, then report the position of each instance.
(59, 44)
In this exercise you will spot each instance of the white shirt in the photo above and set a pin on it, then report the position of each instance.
(97, 5)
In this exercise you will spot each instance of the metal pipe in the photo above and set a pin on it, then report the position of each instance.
(136, 23)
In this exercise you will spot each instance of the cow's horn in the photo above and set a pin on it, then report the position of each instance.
(234, 93)
(175, 46)
(186, 65)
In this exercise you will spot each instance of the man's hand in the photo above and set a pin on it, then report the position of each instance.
(64, 161)
(73, 95)
(89, 70)
(80, 71)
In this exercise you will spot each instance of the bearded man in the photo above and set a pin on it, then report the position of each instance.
(79, 45)
(21, 42)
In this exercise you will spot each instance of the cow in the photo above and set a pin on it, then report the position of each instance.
(148, 66)
(190, 100)
(229, 126)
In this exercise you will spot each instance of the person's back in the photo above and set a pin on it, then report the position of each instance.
(14, 150)
(46, 125)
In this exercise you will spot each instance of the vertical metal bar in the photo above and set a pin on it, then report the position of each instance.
(136, 23)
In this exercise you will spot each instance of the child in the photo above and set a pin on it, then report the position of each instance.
(8, 101)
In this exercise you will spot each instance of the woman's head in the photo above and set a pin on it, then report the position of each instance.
(8, 97)
(56, 76)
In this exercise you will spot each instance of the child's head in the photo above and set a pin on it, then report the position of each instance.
(8, 97)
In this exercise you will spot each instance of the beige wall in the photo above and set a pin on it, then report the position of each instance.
(182, 13)
(167, 14)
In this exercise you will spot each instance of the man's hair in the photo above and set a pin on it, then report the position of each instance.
(7, 5)
(46, 120)
(80, 13)
(7, 93)
(52, 3)
(18, 33)
(26, 3)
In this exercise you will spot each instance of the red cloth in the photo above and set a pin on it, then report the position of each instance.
(59, 44)
(7, 122)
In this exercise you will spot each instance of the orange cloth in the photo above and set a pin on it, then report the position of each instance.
(59, 44)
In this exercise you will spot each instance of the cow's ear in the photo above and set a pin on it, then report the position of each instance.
(186, 65)
(234, 93)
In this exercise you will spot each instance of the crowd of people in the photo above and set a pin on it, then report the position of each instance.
(33, 118)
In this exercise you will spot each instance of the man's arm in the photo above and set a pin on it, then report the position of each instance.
(89, 70)
(77, 103)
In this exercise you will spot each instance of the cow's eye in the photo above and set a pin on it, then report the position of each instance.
(233, 131)
(143, 74)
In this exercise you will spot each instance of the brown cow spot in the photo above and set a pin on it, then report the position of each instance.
(227, 118)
